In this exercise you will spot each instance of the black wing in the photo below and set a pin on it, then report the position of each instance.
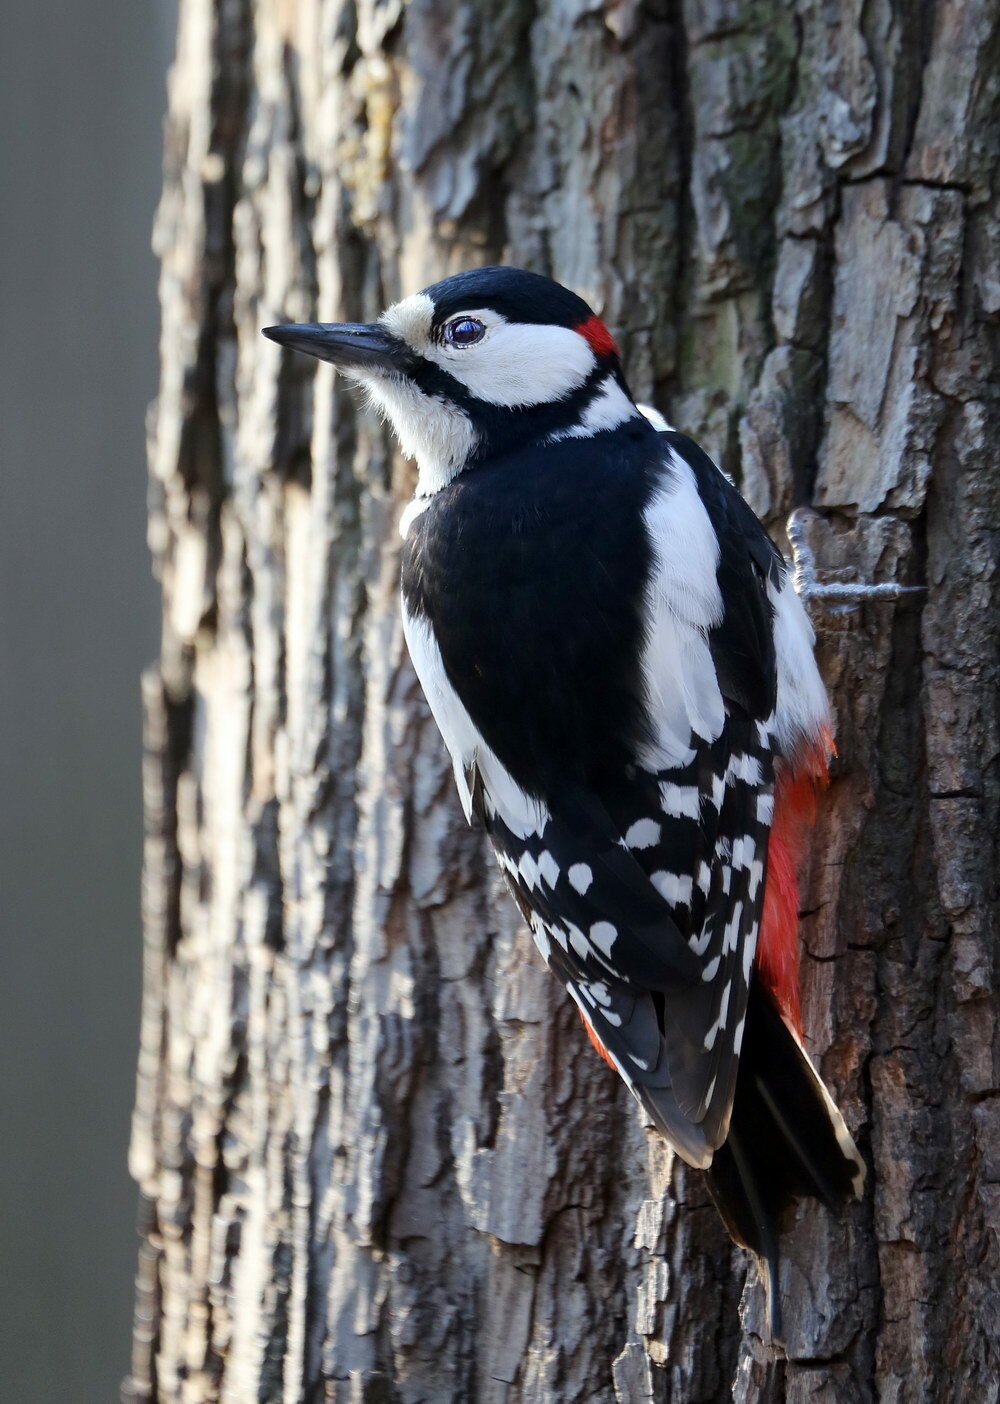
(646, 903)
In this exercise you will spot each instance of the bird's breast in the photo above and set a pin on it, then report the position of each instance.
(534, 588)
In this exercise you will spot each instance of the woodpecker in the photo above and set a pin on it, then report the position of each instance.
(613, 651)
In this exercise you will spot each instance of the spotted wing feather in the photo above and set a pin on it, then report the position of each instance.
(647, 906)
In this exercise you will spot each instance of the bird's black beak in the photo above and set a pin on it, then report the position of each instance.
(349, 345)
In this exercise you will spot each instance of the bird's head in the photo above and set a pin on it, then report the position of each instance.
(477, 365)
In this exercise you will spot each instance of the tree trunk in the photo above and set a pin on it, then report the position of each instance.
(379, 1162)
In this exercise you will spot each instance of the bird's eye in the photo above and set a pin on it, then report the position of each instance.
(464, 331)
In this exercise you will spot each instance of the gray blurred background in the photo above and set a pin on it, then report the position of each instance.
(82, 93)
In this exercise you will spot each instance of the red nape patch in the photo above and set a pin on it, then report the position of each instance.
(597, 335)
(595, 1040)
(795, 795)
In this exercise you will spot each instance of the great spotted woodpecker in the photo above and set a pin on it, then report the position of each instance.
(623, 674)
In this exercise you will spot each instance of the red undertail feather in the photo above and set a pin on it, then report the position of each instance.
(795, 794)
(591, 1034)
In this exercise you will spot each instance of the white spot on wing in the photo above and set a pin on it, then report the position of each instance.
(604, 934)
(541, 939)
(674, 888)
(528, 871)
(744, 849)
(701, 941)
(749, 947)
(724, 1004)
(505, 862)
(548, 868)
(580, 877)
(579, 942)
(718, 790)
(730, 936)
(679, 801)
(745, 768)
(644, 833)
(738, 1036)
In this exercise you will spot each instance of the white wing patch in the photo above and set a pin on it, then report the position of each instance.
(684, 604)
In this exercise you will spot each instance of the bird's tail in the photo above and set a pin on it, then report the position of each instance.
(786, 1139)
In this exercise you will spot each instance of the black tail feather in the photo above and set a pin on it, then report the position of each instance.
(786, 1139)
(750, 1196)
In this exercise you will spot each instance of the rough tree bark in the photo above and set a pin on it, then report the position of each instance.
(378, 1161)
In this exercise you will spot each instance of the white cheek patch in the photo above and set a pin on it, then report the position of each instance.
(517, 363)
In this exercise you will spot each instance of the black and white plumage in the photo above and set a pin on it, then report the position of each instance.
(612, 650)
(611, 824)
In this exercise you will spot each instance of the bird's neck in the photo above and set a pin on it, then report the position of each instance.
(437, 433)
